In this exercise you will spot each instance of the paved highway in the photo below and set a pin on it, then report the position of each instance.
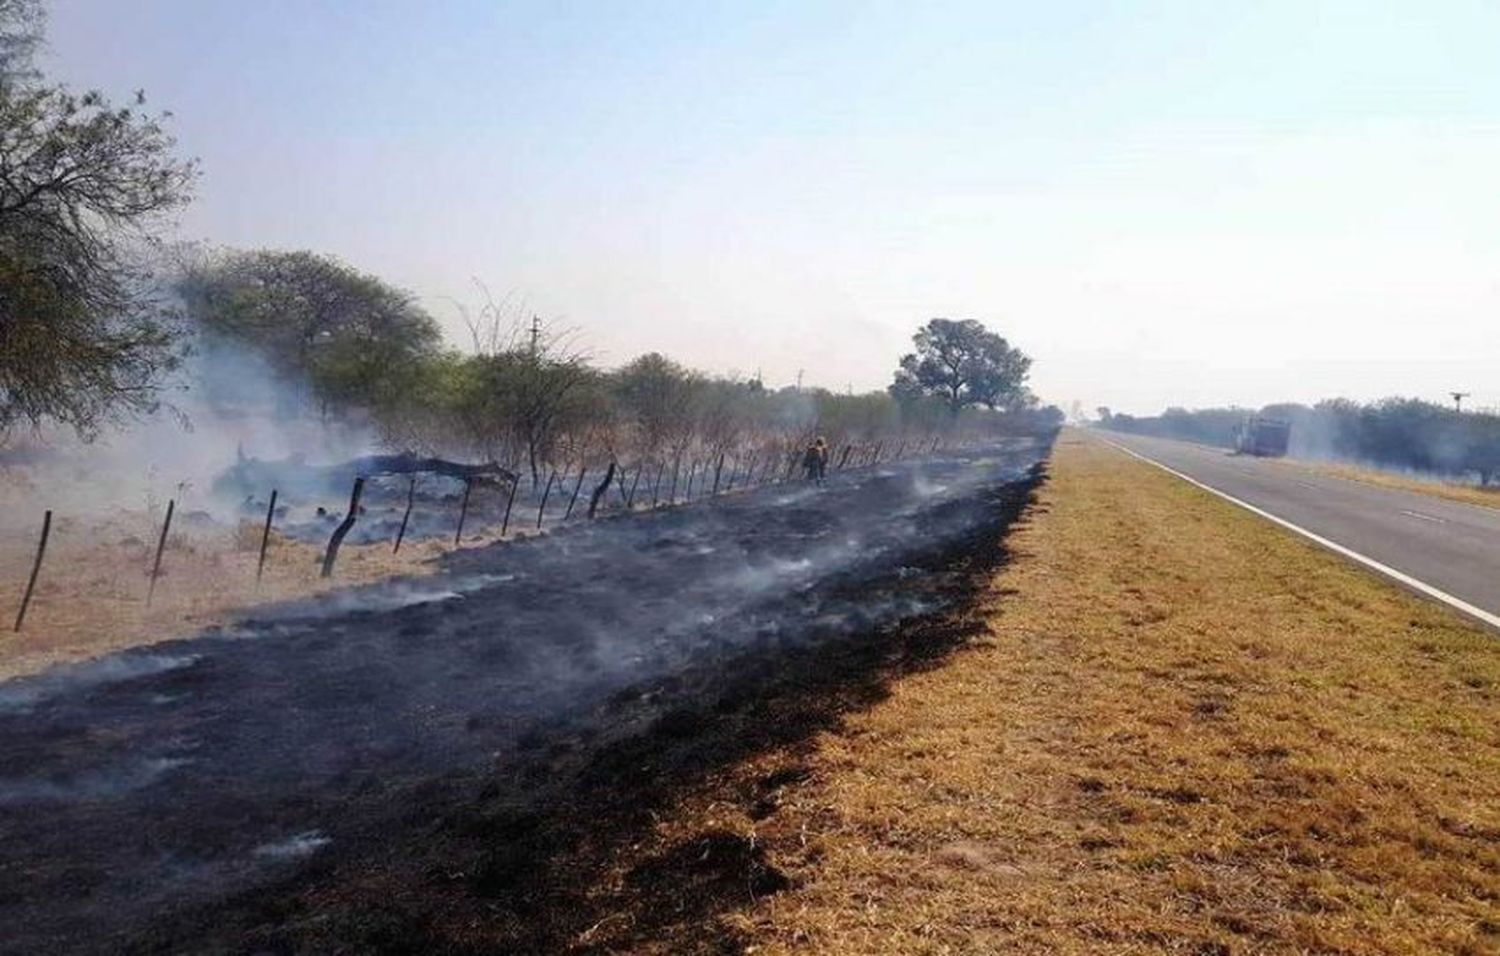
(1446, 545)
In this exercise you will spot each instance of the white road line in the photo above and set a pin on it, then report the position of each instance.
(1418, 514)
(1458, 604)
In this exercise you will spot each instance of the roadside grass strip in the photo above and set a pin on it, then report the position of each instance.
(1184, 729)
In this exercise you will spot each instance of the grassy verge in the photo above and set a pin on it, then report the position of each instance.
(1185, 730)
(1451, 490)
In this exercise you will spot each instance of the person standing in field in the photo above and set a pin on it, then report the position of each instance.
(815, 461)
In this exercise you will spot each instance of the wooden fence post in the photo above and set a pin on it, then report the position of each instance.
(603, 487)
(331, 555)
(411, 495)
(161, 544)
(36, 566)
(661, 469)
(511, 500)
(630, 498)
(620, 488)
(542, 508)
(582, 472)
(463, 511)
(265, 538)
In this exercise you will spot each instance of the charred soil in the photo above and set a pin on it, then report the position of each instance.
(398, 795)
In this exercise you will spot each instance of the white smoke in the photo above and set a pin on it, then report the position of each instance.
(223, 403)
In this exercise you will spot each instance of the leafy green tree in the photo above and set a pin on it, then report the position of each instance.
(83, 188)
(356, 340)
(964, 364)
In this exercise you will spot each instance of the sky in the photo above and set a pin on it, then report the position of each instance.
(1163, 203)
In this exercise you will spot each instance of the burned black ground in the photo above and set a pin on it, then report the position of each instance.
(449, 775)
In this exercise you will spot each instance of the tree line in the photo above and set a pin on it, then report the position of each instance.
(527, 397)
(1399, 433)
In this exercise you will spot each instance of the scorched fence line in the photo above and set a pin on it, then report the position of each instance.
(741, 470)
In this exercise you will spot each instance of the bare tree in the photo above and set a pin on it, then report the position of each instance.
(529, 386)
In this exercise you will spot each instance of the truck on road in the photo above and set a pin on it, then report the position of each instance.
(1262, 436)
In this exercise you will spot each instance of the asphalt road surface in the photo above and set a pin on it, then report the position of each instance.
(1446, 545)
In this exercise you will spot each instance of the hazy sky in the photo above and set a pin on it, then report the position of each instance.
(1163, 202)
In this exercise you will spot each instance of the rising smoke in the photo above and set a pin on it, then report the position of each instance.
(224, 403)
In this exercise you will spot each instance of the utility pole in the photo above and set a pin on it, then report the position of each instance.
(536, 333)
(1458, 401)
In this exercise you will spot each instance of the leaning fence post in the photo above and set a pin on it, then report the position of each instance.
(542, 508)
(36, 566)
(609, 476)
(411, 495)
(582, 473)
(265, 538)
(332, 553)
(161, 544)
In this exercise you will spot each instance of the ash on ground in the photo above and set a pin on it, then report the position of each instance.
(169, 780)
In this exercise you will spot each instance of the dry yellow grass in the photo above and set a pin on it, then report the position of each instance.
(1186, 731)
(91, 594)
(1452, 490)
